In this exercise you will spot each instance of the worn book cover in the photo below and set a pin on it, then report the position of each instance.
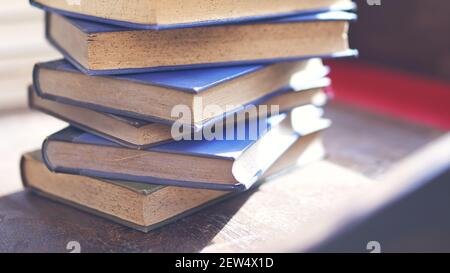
(230, 163)
(159, 15)
(153, 96)
(101, 49)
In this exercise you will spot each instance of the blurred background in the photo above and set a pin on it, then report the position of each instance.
(410, 35)
(403, 70)
(404, 65)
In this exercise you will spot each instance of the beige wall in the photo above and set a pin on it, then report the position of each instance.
(22, 43)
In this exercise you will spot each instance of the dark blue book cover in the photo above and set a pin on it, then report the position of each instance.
(90, 27)
(239, 20)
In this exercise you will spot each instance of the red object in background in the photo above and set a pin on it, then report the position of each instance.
(392, 92)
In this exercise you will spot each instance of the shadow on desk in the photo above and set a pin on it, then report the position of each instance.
(30, 223)
(257, 220)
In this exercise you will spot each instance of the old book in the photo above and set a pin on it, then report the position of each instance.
(140, 134)
(145, 206)
(165, 14)
(232, 159)
(141, 206)
(153, 96)
(105, 49)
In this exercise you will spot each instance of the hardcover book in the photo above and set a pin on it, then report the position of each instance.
(153, 96)
(168, 14)
(97, 48)
(140, 134)
(229, 160)
(143, 206)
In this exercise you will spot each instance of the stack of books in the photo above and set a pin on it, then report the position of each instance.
(175, 105)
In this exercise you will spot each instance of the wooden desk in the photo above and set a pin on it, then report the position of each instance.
(362, 146)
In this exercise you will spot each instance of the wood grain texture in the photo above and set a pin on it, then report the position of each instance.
(369, 143)
(298, 199)
(301, 200)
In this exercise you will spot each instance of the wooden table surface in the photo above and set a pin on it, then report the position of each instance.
(362, 146)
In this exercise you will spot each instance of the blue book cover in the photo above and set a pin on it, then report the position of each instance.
(341, 7)
(226, 150)
(192, 81)
(90, 27)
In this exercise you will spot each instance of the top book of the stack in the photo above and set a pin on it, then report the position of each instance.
(166, 14)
